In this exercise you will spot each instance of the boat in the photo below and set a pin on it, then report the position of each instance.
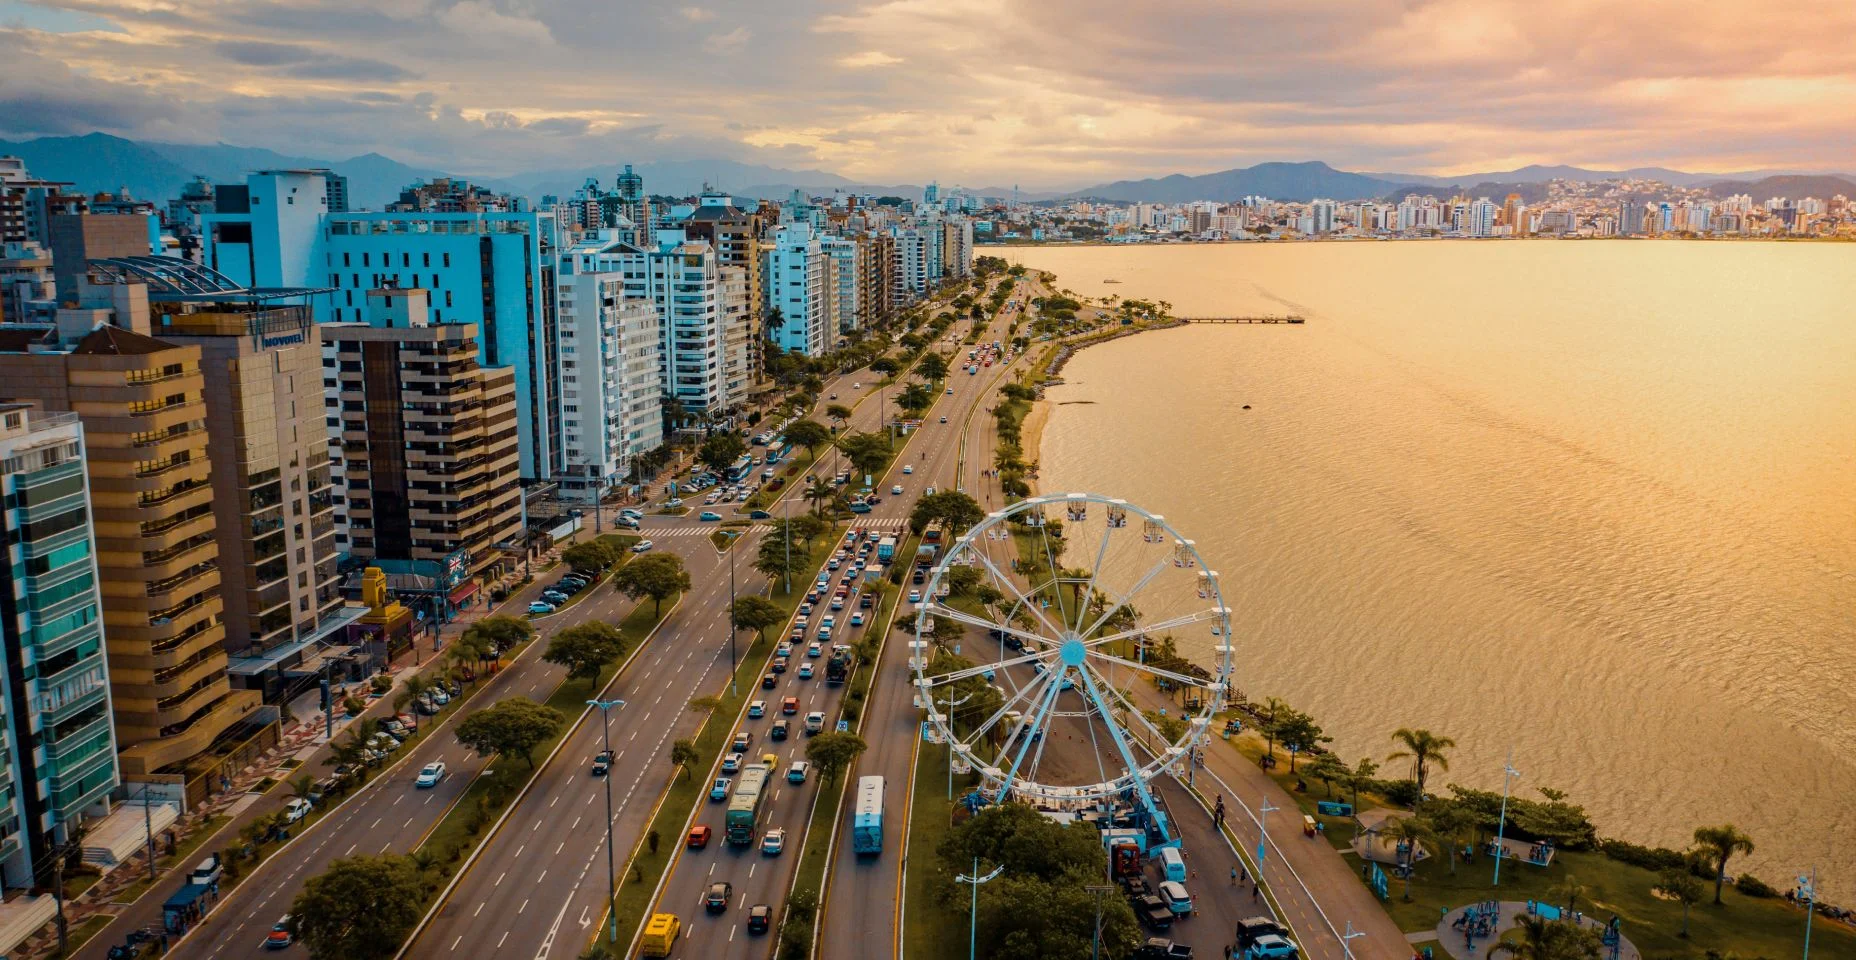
(1111, 281)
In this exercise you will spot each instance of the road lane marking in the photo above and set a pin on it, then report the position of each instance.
(499, 879)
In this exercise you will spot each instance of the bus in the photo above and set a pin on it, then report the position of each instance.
(740, 469)
(867, 825)
(778, 452)
(744, 806)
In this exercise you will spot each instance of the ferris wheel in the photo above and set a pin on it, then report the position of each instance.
(1083, 651)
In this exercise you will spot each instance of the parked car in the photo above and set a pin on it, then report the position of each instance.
(1174, 895)
(1153, 911)
(720, 892)
(1251, 930)
(296, 809)
(1160, 948)
(540, 606)
(431, 774)
(774, 842)
(1274, 946)
(719, 791)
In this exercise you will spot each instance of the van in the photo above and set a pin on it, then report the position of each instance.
(660, 934)
(1173, 864)
(206, 871)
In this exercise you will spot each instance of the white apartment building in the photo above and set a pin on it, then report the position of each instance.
(842, 252)
(796, 277)
(609, 376)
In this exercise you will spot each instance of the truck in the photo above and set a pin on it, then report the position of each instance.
(839, 666)
(886, 549)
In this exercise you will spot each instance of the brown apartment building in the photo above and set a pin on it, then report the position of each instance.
(426, 448)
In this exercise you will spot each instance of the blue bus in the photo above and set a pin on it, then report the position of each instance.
(740, 469)
(867, 822)
(778, 452)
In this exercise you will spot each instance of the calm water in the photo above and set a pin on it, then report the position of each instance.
(1594, 501)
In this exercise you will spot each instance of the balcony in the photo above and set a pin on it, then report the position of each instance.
(160, 618)
(69, 745)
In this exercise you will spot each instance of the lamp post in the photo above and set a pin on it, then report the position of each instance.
(734, 682)
(1263, 834)
(612, 880)
(1808, 886)
(951, 704)
(1346, 947)
(1501, 824)
(973, 912)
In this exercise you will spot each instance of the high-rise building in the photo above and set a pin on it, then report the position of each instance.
(634, 205)
(142, 403)
(735, 233)
(57, 745)
(1321, 216)
(77, 238)
(425, 439)
(28, 203)
(796, 275)
(27, 287)
(612, 394)
(842, 292)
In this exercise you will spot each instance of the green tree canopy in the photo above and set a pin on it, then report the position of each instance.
(773, 559)
(511, 727)
(867, 452)
(914, 398)
(585, 648)
(659, 576)
(961, 579)
(1720, 844)
(832, 752)
(683, 754)
(721, 449)
(593, 556)
(757, 613)
(1425, 750)
(809, 434)
(838, 412)
(954, 510)
(932, 366)
(360, 908)
(499, 632)
(1298, 731)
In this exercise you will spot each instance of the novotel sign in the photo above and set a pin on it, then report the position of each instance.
(281, 340)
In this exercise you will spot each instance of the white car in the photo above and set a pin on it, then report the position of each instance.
(643, 546)
(673, 503)
(896, 491)
(296, 809)
(431, 774)
(908, 468)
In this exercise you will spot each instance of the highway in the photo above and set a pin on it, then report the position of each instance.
(930, 452)
(387, 814)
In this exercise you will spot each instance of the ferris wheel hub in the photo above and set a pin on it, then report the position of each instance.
(1072, 652)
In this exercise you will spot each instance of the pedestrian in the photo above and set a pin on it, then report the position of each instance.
(1234, 876)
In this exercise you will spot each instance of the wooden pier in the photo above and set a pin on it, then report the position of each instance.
(1271, 318)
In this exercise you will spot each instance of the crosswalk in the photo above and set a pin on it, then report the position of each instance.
(887, 523)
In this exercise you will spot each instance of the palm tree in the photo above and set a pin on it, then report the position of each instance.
(1571, 889)
(1411, 831)
(818, 491)
(1540, 940)
(1721, 843)
(1426, 750)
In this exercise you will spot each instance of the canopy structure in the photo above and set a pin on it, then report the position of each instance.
(174, 280)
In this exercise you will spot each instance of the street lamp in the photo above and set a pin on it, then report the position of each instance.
(973, 913)
(1509, 773)
(1346, 947)
(612, 880)
(1807, 885)
(734, 682)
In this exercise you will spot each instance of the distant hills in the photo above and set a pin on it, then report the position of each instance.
(156, 170)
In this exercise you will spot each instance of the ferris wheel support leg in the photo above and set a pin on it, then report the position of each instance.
(1115, 733)
(1034, 724)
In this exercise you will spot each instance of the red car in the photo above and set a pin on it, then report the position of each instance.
(790, 705)
(699, 836)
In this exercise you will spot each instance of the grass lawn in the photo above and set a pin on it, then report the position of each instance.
(646, 865)
(928, 926)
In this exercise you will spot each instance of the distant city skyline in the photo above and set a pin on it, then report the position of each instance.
(1044, 94)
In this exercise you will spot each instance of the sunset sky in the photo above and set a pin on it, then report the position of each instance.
(1045, 93)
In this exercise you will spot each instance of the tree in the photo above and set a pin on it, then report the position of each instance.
(721, 449)
(683, 754)
(510, 727)
(360, 908)
(809, 434)
(300, 785)
(818, 492)
(804, 529)
(1543, 939)
(987, 594)
(756, 613)
(593, 556)
(1327, 768)
(838, 413)
(914, 398)
(954, 510)
(1272, 708)
(887, 366)
(1425, 750)
(1720, 844)
(771, 559)
(497, 635)
(1570, 888)
(1453, 821)
(867, 452)
(832, 752)
(932, 366)
(585, 648)
(1412, 831)
(1680, 885)
(659, 576)
(1298, 732)
(961, 579)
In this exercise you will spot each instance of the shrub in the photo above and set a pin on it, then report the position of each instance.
(1637, 855)
(1753, 886)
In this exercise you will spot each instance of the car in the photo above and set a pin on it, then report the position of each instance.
(944, 419)
(743, 740)
(815, 723)
(757, 709)
(915, 596)
(873, 501)
(673, 503)
(760, 918)
(928, 492)
(896, 491)
(789, 706)
(716, 900)
(629, 523)
(805, 671)
(815, 650)
(779, 664)
(1153, 911)
(431, 773)
(950, 392)
(1174, 895)
(760, 515)
(1272, 945)
(837, 602)
(540, 606)
(1160, 948)
(280, 937)
(643, 546)
(778, 730)
(908, 468)
(631, 513)
(774, 843)
(719, 791)
(710, 500)
(383, 743)
(857, 618)
(732, 763)
(769, 681)
(699, 836)
(785, 649)
(297, 808)
(834, 396)
(709, 516)
(866, 601)
(797, 772)
(857, 386)
(439, 696)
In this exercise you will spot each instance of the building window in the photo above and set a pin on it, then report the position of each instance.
(365, 259)
(447, 259)
(405, 259)
(427, 261)
(447, 298)
(345, 259)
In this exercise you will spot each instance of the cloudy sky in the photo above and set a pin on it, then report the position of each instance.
(1046, 93)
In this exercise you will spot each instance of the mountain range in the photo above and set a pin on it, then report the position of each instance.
(156, 170)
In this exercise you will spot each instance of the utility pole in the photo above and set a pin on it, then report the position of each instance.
(734, 681)
(1509, 773)
(973, 912)
(1095, 947)
(1808, 886)
(612, 880)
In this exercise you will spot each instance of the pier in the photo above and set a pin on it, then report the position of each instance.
(1267, 318)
